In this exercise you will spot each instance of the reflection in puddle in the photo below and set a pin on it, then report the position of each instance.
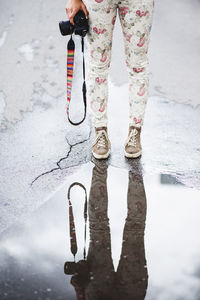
(95, 277)
(123, 208)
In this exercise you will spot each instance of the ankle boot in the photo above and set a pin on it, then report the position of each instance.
(132, 144)
(101, 145)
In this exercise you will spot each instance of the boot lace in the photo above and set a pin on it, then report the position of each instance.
(101, 139)
(132, 138)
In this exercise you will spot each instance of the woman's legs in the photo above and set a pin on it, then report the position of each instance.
(136, 20)
(102, 15)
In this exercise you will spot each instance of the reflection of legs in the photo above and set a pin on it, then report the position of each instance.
(136, 20)
(132, 272)
(101, 21)
(99, 254)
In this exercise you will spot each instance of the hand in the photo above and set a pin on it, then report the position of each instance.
(73, 6)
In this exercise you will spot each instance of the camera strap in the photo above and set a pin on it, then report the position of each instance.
(73, 239)
(70, 71)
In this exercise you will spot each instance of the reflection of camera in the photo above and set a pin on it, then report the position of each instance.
(81, 267)
(81, 25)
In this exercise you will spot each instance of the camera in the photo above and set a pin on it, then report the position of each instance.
(80, 267)
(81, 26)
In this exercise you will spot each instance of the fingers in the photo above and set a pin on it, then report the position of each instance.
(71, 13)
(71, 18)
(84, 10)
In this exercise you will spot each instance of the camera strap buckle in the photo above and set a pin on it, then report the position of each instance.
(70, 67)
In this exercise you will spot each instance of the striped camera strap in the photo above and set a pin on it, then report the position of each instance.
(70, 71)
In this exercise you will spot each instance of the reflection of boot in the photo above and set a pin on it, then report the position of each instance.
(132, 273)
(101, 286)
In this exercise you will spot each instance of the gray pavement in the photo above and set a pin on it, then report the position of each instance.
(39, 148)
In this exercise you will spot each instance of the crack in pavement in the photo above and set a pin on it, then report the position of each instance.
(63, 158)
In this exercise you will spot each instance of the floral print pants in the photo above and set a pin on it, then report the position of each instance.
(136, 21)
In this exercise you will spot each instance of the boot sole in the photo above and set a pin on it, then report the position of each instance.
(133, 155)
(100, 156)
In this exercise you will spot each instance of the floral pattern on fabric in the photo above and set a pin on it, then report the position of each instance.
(136, 21)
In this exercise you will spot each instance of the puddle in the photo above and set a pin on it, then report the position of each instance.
(28, 50)
(141, 240)
(51, 63)
(3, 38)
(2, 105)
(4, 34)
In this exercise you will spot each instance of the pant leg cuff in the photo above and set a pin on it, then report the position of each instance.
(100, 124)
(136, 125)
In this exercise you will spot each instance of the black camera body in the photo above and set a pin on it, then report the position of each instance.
(81, 26)
(81, 267)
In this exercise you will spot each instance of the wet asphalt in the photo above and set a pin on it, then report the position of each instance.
(151, 203)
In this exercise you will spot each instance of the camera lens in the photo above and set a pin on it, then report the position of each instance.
(69, 267)
(65, 27)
